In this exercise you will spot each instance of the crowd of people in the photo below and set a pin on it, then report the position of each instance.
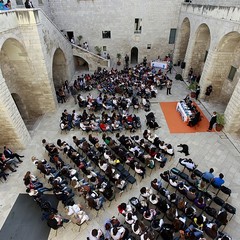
(182, 213)
(98, 166)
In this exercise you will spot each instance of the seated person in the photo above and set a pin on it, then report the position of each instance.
(221, 218)
(191, 193)
(166, 148)
(149, 214)
(64, 124)
(118, 233)
(120, 184)
(63, 195)
(156, 184)
(165, 176)
(92, 139)
(96, 234)
(130, 218)
(152, 124)
(160, 157)
(173, 180)
(145, 192)
(208, 175)
(55, 221)
(4, 166)
(9, 161)
(192, 231)
(9, 154)
(105, 127)
(35, 160)
(190, 212)
(138, 227)
(3, 175)
(211, 229)
(85, 126)
(193, 180)
(188, 163)
(124, 208)
(171, 213)
(140, 170)
(217, 182)
(76, 214)
(50, 147)
(95, 202)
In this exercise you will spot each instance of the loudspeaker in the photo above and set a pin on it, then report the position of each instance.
(183, 65)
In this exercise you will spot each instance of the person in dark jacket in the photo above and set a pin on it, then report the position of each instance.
(212, 121)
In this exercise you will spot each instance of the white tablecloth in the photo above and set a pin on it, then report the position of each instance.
(159, 64)
(182, 109)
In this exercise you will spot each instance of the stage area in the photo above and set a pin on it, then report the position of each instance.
(175, 123)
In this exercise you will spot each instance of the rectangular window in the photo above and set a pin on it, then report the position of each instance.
(104, 48)
(106, 34)
(232, 73)
(138, 25)
(172, 36)
(205, 57)
(40, 2)
(149, 46)
(19, 2)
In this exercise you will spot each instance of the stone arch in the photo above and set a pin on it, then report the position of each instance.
(18, 73)
(80, 64)
(184, 38)
(226, 56)
(134, 55)
(59, 68)
(200, 49)
(20, 106)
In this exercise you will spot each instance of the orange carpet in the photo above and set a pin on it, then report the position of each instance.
(175, 123)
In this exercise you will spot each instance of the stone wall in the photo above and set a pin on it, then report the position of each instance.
(223, 27)
(28, 43)
(90, 18)
(233, 3)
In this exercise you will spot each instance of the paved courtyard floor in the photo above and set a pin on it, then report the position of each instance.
(209, 149)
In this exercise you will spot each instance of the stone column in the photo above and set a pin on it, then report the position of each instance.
(232, 112)
(188, 56)
(13, 130)
(207, 73)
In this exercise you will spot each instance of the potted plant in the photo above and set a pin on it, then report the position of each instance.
(220, 122)
(98, 50)
(193, 87)
(79, 39)
(179, 77)
(119, 56)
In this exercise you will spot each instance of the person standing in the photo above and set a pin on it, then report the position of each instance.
(74, 94)
(197, 92)
(208, 91)
(170, 66)
(126, 60)
(213, 120)
(144, 61)
(28, 4)
(169, 86)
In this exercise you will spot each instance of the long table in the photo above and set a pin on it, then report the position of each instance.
(184, 111)
(159, 64)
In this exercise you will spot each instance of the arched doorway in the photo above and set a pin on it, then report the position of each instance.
(184, 39)
(134, 55)
(59, 68)
(19, 76)
(80, 64)
(226, 61)
(200, 49)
